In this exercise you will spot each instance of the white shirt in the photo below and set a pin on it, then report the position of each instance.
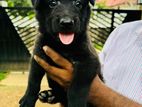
(121, 60)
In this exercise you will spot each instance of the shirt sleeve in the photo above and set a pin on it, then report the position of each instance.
(107, 46)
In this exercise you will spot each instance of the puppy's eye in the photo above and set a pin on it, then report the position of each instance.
(78, 3)
(53, 3)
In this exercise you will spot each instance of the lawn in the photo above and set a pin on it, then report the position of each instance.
(3, 75)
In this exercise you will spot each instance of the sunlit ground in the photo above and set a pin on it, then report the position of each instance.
(13, 87)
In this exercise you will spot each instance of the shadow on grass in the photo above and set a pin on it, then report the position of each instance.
(3, 75)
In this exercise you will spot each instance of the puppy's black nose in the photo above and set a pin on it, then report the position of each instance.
(66, 22)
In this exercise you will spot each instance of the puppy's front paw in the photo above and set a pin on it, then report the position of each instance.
(27, 101)
(47, 96)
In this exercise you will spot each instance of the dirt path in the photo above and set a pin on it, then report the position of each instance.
(13, 87)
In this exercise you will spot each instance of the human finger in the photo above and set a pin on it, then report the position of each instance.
(61, 76)
(58, 59)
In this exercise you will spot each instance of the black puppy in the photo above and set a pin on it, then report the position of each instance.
(63, 25)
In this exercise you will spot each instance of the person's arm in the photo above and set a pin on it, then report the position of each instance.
(99, 94)
(102, 96)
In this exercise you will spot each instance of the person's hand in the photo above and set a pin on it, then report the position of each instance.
(62, 75)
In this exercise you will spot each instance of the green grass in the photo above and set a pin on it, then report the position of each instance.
(3, 75)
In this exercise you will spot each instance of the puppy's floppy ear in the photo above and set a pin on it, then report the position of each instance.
(92, 2)
(35, 3)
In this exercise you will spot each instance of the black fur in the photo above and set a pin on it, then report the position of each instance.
(65, 16)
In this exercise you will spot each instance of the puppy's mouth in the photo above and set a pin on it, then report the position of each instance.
(66, 38)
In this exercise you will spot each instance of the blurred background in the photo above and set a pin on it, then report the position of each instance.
(19, 27)
(18, 30)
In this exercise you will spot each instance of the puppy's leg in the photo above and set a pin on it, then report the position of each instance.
(78, 91)
(34, 81)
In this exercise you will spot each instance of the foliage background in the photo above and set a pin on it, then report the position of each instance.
(19, 3)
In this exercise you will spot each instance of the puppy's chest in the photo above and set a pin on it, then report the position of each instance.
(72, 52)
(73, 57)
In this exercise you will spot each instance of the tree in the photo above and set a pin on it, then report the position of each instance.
(21, 12)
(19, 3)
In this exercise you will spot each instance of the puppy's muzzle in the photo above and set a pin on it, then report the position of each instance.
(66, 23)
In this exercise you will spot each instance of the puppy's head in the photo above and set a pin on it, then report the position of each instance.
(65, 20)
